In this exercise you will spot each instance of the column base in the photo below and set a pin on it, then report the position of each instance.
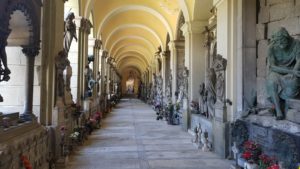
(27, 117)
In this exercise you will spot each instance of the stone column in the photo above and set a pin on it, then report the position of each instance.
(176, 49)
(96, 63)
(195, 63)
(30, 53)
(103, 80)
(194, 55)
(84, 31)
(163, 72)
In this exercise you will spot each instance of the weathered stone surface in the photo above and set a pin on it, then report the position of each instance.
(262, 92)
(262, 49)
(277, 138)
(29, 140)
(297, 2)
(293, 115)
(273, 2)
(281, 11)
(291, 24)
(261, 31)
(297, 10)
(264, 15)
(263, 3)
(261, 67)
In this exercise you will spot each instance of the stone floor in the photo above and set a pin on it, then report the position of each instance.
(132, 138)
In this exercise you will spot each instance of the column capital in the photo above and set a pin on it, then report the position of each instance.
(31, 51)
(98, 44)
(104, 54)
(85, 25)
(165, 53)
(193, 27)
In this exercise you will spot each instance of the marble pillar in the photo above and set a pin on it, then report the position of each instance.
(194, 54)
(30, 53)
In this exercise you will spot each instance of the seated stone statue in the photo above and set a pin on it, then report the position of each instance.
(283, 79)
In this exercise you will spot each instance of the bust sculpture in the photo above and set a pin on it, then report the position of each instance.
(283, 78)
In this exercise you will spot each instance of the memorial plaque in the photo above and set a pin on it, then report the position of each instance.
(260, 135)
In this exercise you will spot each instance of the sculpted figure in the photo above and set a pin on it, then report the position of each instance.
(283, 79)
(203, 100)
(70, 31)
(211, 93)
(61, 62)
(180, 95)
(185, 75)
(4, 70)
(219, 66)
(168, 90)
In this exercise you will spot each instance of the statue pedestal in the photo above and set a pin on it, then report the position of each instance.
(293, 113)
(68, 98)
(58, 112)
(279, 138)
(221, 131)
(185, 115)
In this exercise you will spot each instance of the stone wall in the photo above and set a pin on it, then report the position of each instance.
(29, 140)
(273, 14)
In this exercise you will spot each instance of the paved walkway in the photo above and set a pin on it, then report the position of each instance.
(132, 138)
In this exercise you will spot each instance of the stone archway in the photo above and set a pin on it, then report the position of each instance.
(16, 14)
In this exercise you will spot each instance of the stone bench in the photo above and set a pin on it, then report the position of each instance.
(293, 112)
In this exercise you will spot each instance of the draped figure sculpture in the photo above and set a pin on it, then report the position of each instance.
(283, 79)
(70, 31)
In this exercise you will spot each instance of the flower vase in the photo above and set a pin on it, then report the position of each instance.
(248, 165)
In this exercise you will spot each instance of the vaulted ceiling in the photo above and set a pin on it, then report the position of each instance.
(132, 30)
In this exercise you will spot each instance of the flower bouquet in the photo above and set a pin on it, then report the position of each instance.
(252, 152)
(266, 162)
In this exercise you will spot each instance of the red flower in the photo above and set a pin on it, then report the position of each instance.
(26, 162)
(274, 166)
(265, 159)
(247, 155)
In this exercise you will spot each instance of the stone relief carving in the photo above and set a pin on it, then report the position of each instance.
(283, 78)
(70, 31)
(213, 91)
(219, 66)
